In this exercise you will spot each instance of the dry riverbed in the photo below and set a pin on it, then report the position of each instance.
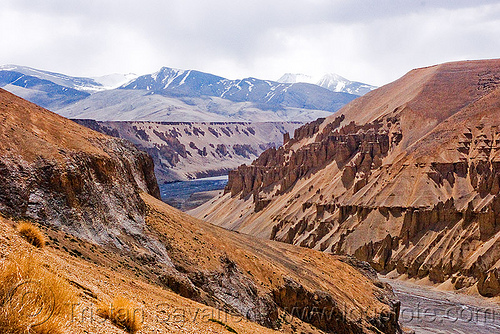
(425, 309)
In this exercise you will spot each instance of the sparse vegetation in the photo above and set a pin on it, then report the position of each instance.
(32, 234)
(227, 327)
(33, 299)
(123, 313)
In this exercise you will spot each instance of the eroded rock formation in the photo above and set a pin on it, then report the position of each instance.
(406, 177)
(57, 172)
(189, 150)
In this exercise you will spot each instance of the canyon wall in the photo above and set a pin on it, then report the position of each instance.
(86, 189)
(189, 150)
(406, 177)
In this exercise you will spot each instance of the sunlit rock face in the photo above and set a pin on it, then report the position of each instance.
(63, 174)
(406, 177)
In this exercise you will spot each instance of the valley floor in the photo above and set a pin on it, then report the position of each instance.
(427, 310)
(187, 195)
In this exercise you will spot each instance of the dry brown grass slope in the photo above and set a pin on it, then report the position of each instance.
(290, 275)
(33, 299)
(97, 285)
(31, 233)
(89, 287)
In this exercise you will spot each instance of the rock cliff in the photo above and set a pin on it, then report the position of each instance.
(406, 177)
(271, 282)
(56, 171)
(188, 150)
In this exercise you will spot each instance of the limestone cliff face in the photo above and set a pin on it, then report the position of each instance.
(406, 178)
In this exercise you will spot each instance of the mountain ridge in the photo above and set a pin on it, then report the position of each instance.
(171, 95)
(330, 81)
(405, 177)
(78, 83)
(191, 83)
(187, 150)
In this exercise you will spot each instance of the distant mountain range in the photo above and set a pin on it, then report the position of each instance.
(179, 95)
(54, 90)
(330, 81)
(93, 84)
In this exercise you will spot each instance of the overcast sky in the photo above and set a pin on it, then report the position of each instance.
(374, 41)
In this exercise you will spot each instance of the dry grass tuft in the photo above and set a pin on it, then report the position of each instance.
(32, 299)
(123, 313)
(227, 327)
(32, 234)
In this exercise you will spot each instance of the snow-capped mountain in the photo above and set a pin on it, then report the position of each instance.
(336, 83)
(115, 80)
(78, 83)
(172, 95)
(297, 77)
(49, 90)
(176, 82)
(55, 90)
(268, 94)
(331, 81)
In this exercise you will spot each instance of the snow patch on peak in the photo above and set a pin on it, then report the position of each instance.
(185, 77)
(115, 80)
(330, 81)
(296, 77)
(8, 67)
(333, 76)
(165, 73)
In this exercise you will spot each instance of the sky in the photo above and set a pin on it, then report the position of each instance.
(372, 41)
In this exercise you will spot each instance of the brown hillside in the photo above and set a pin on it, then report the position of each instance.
(55, 170)
(406, 177)
(107, 234)
(158, 310)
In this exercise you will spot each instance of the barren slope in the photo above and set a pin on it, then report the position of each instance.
(407, 178)
(255, 276)
(99, 275)
(94, 197)
(55, 170)
(142, 105)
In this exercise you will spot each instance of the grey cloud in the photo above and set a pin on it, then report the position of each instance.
(253, 37)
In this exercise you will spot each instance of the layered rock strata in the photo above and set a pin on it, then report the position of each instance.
(190, 150)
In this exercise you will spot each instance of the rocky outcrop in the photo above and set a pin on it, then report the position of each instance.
(236, 293)
(269, 282)
(406, 178)
(63, 175)
(363, 146)
(320, 309)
